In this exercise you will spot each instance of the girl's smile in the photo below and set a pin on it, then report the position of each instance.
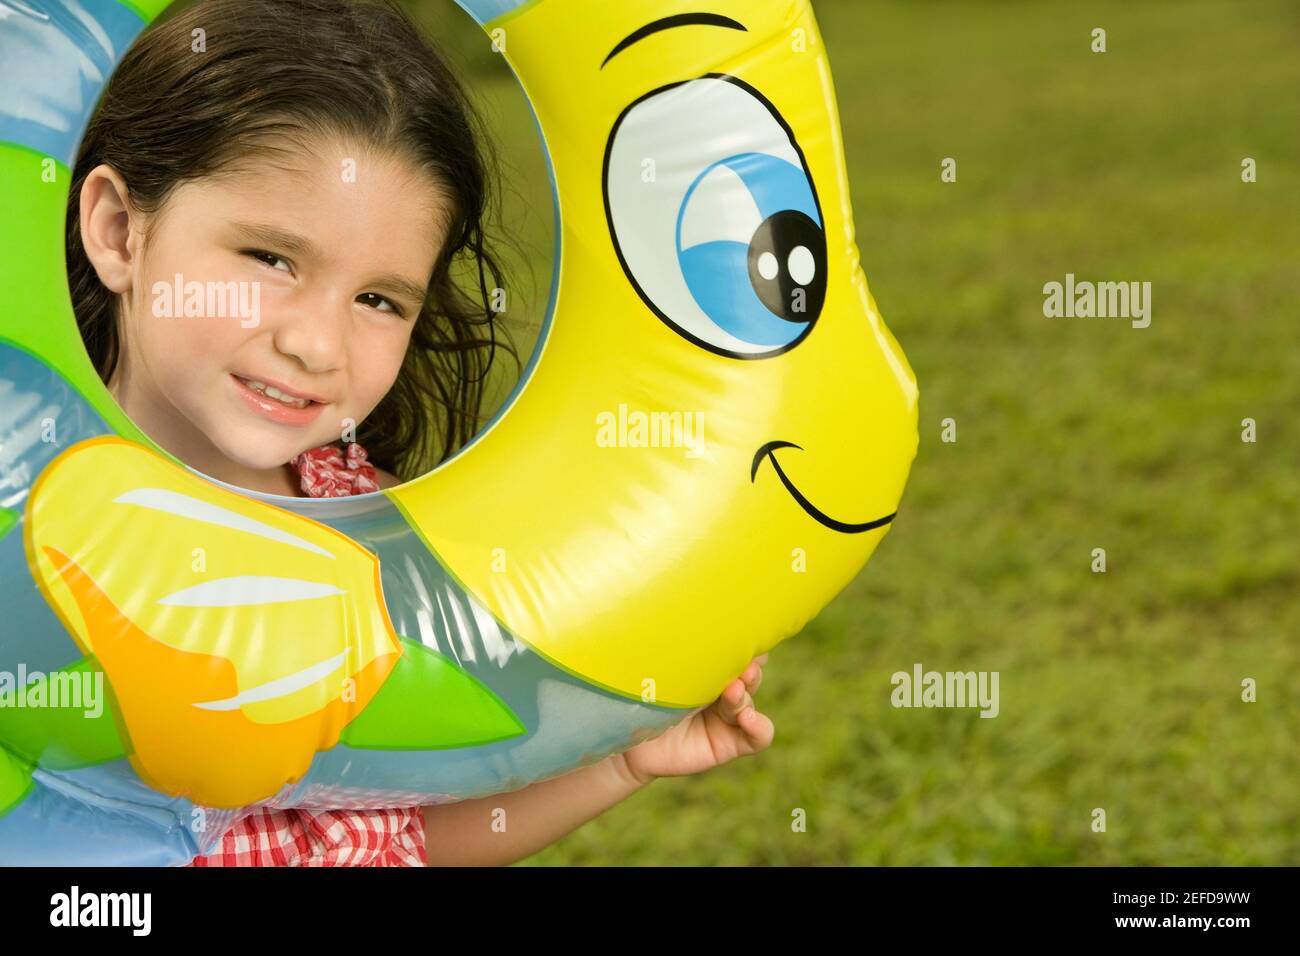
(278, 404)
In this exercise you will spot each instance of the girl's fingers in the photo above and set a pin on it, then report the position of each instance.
(733, 700)
(735, 707)
(758, 728)
(738, 694)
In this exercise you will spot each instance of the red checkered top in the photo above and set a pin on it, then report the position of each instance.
(326, 472)
(322, 838)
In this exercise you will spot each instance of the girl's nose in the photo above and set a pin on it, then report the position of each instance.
(314, 332)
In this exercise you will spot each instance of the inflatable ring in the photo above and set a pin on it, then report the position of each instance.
(709, 441)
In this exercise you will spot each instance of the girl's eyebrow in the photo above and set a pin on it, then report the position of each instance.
(298, 245)
(271, 236)
(400, 287)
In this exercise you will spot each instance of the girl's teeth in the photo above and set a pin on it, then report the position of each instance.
(270, 391)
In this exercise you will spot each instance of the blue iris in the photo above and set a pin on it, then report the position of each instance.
(718, 272)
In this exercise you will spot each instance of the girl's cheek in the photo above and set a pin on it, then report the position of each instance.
(170, 314)
(380, 363)
(218, 329)
(192, 345)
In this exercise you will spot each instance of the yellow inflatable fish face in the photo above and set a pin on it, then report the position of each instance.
(719, 427)
(238, 639)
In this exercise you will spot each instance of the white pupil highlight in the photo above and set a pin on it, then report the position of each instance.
(802, 265)
(768, 266)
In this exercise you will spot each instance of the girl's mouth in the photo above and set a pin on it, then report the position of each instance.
(276, 404)
(273, 392)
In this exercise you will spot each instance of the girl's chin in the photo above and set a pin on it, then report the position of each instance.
(262, 455)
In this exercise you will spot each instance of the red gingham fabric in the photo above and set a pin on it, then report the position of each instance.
(322, 838)
(296, 837)
(325, 473)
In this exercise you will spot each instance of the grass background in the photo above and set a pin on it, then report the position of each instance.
(1118, 690)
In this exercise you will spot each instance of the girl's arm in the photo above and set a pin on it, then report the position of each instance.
(505, 827)
(500, 829)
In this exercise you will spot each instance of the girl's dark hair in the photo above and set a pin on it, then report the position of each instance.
(277, 69)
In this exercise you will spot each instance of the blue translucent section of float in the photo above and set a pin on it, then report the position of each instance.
(58, 825)
(57, 55)
(41, 415)
(484, 11)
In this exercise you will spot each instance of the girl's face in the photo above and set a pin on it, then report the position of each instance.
(273, 305)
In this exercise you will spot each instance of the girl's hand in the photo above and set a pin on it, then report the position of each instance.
(728, 728)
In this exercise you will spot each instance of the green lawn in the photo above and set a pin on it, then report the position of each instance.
(1118, 690)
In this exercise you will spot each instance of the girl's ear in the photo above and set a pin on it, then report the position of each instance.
(106, 227)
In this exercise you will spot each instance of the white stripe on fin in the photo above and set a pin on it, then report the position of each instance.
(280, 687)
(183, 506)
(249, 589)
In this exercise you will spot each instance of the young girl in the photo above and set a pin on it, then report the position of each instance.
(319, 164)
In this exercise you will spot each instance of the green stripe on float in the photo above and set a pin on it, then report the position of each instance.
(15, 781)
(35, 308)
(8, 519)
(428, 703)
(146, 10)
(54, 734)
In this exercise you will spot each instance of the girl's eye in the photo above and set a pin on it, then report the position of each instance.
(269, 258)
(375, 300)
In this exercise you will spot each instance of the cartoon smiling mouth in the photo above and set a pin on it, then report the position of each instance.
(766, 451)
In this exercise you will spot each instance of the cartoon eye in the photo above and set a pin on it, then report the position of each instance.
(715, 217)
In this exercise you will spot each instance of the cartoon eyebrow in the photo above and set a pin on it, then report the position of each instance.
(667, 23)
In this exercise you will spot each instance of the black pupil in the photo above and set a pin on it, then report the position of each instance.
(778, 236)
